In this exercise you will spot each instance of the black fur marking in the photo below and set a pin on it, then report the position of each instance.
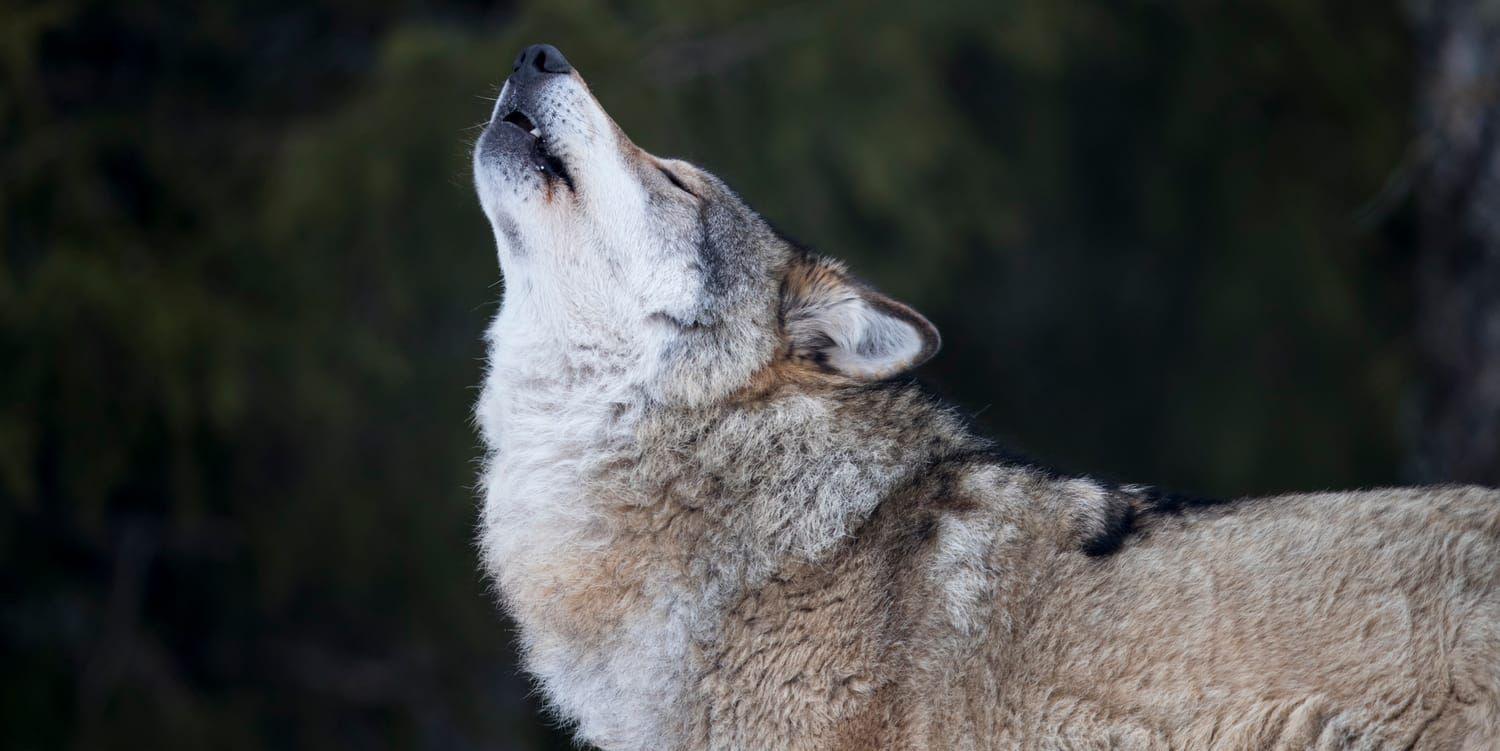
(1138, 506)
(1117, 528)
(673, 179)
(1156, 501)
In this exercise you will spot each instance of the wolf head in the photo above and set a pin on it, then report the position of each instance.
(657, 266)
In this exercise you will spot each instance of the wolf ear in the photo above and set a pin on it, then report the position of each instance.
(847, 328)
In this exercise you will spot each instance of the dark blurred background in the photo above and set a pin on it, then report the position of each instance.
(1222, 247)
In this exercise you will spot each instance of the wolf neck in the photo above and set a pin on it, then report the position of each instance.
(619, 530)
(554, 410)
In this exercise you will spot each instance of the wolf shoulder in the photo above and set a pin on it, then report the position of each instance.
(1411, 539)
(1103, 520)
(1384, 521)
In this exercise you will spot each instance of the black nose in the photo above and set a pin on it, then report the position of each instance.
(539, 60)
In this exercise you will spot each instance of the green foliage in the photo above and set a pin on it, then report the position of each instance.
(244, 279)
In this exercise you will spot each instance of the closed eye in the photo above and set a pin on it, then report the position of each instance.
(677, 182)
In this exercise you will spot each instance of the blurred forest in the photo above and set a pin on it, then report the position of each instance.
(244, 279)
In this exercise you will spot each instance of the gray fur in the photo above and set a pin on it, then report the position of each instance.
(719, 522)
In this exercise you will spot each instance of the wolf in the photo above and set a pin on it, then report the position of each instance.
(723, 518)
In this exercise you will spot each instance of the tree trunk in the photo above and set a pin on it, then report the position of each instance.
(1458, 267)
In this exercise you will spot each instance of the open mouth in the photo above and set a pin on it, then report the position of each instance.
(542, 158)
(520, 120)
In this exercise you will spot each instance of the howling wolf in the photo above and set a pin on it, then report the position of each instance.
(721, 520)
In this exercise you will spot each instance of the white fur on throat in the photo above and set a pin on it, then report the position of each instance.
(550, 418)
(571, 354)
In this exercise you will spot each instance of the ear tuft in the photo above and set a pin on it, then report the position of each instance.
(847, 328)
